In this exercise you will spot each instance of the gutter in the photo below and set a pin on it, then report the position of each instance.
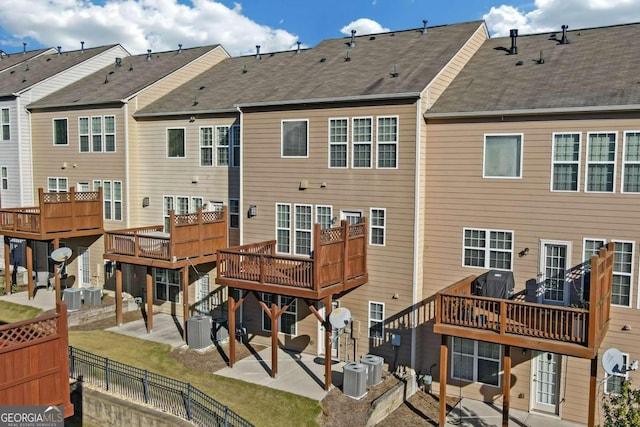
(533, 111)
(73, 104)
(241, 183)
(332, 99)
(187, 112)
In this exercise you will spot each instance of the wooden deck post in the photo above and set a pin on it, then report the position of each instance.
(29, 271)
(7, 267)
(56, 276)
(119, 293)
(149, 276)
(185, 300)
(444, 357)
(232, 326)
(63, 353)
(593, 382)
(274, 335)
(506, 385)
(327, 343)
(345, 250)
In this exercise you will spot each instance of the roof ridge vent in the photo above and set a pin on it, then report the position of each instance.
(352, 43)
(564, 40)
(513, 33)
(258, 51)
(424, 26)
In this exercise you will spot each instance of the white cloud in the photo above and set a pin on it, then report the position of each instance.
(363, 26)
(549, 15)
(139, 25)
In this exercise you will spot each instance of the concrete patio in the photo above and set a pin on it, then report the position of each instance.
(44, 299)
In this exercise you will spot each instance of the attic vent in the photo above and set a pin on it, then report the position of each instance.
(195, 100)
(352, 44)
(424, 26)
(244, 69)
(130, 66)
(81, 47)
(514, 35)
(257, 51)
(298, 49)
(180, 48)
(564, 40)
(118, 62)
(323, 59)
(59, 50)
(372, 38)
(201, 87)
(148, 54)
(24, 47)
(541, 59)
(394, 71)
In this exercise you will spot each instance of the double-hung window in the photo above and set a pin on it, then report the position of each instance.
(622, 273)
(60, 132)
(168, 204)
(475, 361)
(376, 319)
(387, 142)
(502, 156)
(378, 226)
(304, 224)
(601, 162)
(222, 145)
(167, 284)
(283, 228)
(84, 134)
(631, 163)
(234, 213)
(6, 125)
(176, 143)
(109, 134)
(613, 382)
(491, 249)
(566, 162)
(96, 134)
(295, 138)
(287, 321)
(4, 175)
(57, 185)
(324, 216)
(338, 142)
(206, 146)
(235, 146)
(362, 140)
(111, 198)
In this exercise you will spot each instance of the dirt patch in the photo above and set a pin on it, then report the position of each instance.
(211, 360)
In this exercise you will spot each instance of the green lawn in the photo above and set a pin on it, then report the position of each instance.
(260, 405)
(10, 313)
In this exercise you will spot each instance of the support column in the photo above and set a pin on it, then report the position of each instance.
(593, 382)
(185, 300)
(274, 335)
(7, 267)
(232, 328)
(149, 276)
(56, 276)
(506, 385)
(444, 357)
(118, 293)
(30, 287)
(327, 342)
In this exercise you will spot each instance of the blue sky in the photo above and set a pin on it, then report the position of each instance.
(276, 24)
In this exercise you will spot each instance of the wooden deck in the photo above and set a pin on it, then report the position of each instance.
(339, 263)
(58, 215)
(564, 330)
(34, 362)
(193, 238)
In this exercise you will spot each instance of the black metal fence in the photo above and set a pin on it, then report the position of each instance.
(166, 394)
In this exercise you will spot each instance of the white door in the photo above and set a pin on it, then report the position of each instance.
(335, 343)
(545, 382)
(353, 217)
(554, 263)
(82, 187)
(84, 272)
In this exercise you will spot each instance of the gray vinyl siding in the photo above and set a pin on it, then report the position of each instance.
(459, 197)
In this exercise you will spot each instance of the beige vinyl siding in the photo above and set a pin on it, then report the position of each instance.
(459, 197)
(178, 78)
(270, 179)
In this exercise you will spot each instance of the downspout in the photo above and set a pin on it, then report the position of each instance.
(126, 164)
(241, 183)
(416, 235)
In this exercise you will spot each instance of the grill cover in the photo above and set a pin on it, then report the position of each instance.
(494, 284)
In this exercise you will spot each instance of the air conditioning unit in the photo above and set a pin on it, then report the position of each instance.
(73, 298)
(355, 380)
(220, 329)
(374, 368)
(199, 332)
(93, 295)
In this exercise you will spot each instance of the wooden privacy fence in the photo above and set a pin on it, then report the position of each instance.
(34, 365)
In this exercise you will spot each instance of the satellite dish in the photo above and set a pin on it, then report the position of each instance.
(61, 254)
(613, 361)
(339, 318)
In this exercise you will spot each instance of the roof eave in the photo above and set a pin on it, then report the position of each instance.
(384, 96)
(533, 111)
(185, 112)
(74, 104)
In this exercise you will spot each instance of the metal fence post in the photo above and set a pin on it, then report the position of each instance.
(106, 373)
(226, 416)
(72, 364)
(188, 401)
(145, 386)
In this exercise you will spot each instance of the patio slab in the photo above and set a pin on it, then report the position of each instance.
(167, 329)
(44, 299)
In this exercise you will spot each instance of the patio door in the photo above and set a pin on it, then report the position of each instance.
(335, 344)
(545, 382)
(84, 271)
(554, 262)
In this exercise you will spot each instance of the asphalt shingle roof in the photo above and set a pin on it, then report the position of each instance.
(9, 60)
(28, 73)
(599, 67)
(114, 83)
(323, 72)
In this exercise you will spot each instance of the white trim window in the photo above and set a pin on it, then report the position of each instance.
(176, 147)
(613, 382)
(196, 203)
(234, 213)
(235, 147)
(111, 198)
(475, 361)
(84, 134)
(167, 285)
(487, 248)
(375, 322)
(378, 226)
(60, 131)
(622, 273)
(590, 247)
(362, 136)
(57, 184)
(295, 138)
(338, 143)
(502, 156)
(4, 175)
(283, 228)
(631, 163)
(387, 142)
(168, 204)
(287, 322)
(222, 145)
(303, 229)
(96, 134)
(565, 168)
(110, 134)
(324, 216)
(206, 146)
(6, 124)
(601, 162)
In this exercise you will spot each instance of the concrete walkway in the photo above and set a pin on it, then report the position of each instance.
(44, 299)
